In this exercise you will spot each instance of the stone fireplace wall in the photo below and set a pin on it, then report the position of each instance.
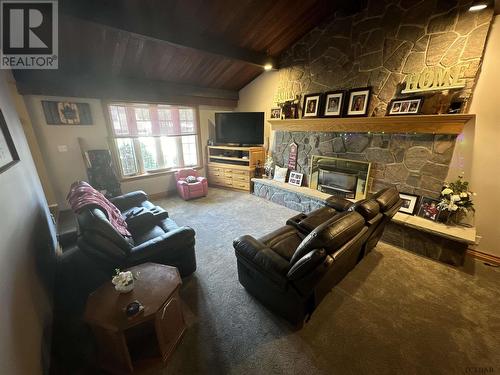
(415, 163)
(381, 44)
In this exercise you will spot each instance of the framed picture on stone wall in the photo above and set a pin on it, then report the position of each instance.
(359, 99)
(407, 106)
(311, 105)
(295, 178)
(409, 205)
(334, 103)
(429, 209)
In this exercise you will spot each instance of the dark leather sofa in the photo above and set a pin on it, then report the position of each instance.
(293, 268)
(381, 208)
(155, 237)
(101, 248)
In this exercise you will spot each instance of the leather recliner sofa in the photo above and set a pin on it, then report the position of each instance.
(290, 272)
(155, 237)
(291, 269)
(101, 248)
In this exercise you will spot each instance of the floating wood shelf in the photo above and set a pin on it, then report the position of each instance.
(428, 124)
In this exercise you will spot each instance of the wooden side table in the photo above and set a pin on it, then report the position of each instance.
(127, 344)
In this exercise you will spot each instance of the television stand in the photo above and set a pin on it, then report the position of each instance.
(233, 166)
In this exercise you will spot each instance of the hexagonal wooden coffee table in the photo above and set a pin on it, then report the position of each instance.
(127, 344)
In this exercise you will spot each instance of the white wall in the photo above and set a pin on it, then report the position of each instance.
(483, 142)
(258, 96)
(66, 167)
(27, 236)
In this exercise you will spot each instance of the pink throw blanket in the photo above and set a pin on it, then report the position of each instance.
(81, 194)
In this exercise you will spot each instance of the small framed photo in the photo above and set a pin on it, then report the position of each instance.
(295, 178)
(334, 102)
(409, 203)
(359, 99)
(409, 106)
(311, 105)
(276, 113)
(429, 209)
(280, 174)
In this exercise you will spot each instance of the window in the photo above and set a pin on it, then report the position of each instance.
(151, 138)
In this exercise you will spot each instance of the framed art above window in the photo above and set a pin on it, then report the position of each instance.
(151, 138)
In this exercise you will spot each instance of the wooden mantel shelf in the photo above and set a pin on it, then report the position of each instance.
(428, 124)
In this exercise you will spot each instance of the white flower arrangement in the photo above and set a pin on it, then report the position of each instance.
(123, 281)
(456, 197)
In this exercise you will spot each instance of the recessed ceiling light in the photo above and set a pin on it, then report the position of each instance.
(268, 66)
(478, 5)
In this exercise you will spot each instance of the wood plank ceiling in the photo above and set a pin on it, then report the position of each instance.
(218, 45)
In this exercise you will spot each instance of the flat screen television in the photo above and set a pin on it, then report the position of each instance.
(240, 128)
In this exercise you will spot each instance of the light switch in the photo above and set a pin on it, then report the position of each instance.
(62, 148)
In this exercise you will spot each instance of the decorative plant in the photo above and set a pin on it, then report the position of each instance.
(456, 198)
(268, 165)
(122, 280)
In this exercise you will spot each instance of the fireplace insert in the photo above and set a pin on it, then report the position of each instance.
(338, 183)
(341, 177)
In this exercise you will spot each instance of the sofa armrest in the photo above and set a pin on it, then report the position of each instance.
(179, 237)
(129, 200)
(306, 264)
(262, 258)
(339, 204)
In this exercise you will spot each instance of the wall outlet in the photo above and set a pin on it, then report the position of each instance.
(62, 148)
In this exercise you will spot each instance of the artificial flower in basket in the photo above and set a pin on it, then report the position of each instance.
(123, 281)
(456, 199)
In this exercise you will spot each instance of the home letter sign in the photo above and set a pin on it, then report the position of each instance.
(435, 79)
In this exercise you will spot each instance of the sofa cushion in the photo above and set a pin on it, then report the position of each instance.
(386, 198)
(316, 218)
(331, 235)
(338, 203)
(148, 234)
(283, 241)
(368, 208)
(94, 220)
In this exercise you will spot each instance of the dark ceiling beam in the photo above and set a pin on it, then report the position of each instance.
(54, 83)
(137, 18)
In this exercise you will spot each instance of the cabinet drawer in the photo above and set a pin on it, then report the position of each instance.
(215, 169)
(215, 173)
(240, 178)
(241, 185)
(240, 172)
(216, 179)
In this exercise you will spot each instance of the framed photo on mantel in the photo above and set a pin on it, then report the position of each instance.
(359, 100)
(334, 103)
(311, 105)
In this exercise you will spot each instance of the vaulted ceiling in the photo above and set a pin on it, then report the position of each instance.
(186, 48)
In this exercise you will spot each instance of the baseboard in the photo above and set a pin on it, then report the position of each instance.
(493, 259)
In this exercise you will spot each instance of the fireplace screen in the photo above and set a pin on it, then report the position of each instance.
(340, 177)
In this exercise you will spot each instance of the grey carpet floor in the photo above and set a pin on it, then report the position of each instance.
(395, 313)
